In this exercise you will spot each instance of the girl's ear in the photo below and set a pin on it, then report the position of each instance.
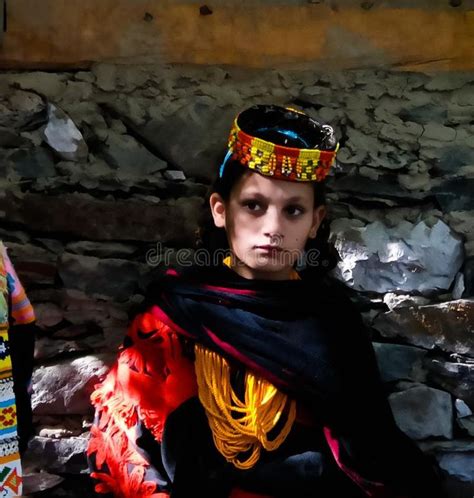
(318, 215)
(217, 206)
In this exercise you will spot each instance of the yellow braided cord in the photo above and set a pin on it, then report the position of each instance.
(261, 411)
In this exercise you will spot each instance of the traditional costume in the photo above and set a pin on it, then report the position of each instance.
(233, 387)
(16, 363)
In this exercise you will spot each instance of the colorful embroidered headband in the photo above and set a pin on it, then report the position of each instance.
(282, 142)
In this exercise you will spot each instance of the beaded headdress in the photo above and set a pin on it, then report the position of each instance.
(281, 142)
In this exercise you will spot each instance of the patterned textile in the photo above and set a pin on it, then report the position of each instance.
(277, 160)
(10, 464)
(21, 309)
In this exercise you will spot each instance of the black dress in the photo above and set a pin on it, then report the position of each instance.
(152, 438)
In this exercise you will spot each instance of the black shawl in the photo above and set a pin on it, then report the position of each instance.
(308, 339)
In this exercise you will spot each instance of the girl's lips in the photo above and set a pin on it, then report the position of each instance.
(269, 248)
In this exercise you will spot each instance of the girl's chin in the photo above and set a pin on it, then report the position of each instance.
(269, 266)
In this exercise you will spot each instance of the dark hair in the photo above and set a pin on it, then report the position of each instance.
(214, 239)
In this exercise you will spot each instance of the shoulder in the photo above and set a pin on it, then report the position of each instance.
(344, 313)
(338, 298)
(22, 312)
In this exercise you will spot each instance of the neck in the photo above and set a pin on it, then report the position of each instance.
(245, 271)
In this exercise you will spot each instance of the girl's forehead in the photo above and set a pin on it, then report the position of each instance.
(255, 183)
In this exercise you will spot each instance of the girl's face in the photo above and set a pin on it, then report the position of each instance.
(263, 211)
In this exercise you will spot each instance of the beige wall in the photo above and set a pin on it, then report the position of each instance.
(424, 35)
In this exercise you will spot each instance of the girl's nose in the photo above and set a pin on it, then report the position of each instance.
(273, 225)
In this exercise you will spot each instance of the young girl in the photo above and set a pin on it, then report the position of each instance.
(252, 375)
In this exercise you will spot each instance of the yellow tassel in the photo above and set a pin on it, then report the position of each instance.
(261, 411)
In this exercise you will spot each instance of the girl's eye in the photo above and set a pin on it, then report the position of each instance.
(251, 205)
(291, 210)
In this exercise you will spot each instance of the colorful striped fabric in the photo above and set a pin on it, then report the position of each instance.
(10, 463)
(21, 309)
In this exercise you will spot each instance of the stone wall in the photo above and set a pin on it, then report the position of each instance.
(104, 172)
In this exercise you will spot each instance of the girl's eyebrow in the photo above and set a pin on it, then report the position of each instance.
(258, 195)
